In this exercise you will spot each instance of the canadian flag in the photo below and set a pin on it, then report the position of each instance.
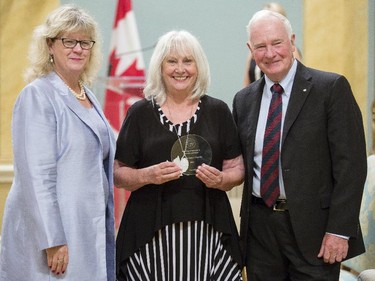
(126, 77)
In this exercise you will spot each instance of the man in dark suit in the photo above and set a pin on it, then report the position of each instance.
(300, 210)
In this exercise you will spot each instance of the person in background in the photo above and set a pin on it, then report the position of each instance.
(303, 143)
(178, 153)
(58, 221)
(252, 71)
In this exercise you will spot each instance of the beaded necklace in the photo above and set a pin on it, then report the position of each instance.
(81, 95)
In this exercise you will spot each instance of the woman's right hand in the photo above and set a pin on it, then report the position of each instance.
(58, 259)
(132, 178)
(164, 172)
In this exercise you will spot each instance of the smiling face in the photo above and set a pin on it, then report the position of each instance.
(272, 48)
(179, 73)
(69, 62)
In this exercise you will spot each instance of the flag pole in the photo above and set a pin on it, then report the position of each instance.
(125, 81)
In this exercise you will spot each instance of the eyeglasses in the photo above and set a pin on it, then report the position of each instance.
(71, 43)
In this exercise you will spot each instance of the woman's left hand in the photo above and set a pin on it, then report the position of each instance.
(210, 176)
(232, 174)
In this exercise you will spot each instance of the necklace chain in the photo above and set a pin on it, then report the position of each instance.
(171, 116)
(174, 127)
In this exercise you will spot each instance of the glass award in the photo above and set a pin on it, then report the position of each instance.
(191, 151)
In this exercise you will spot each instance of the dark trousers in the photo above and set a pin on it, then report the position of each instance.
(273, 254)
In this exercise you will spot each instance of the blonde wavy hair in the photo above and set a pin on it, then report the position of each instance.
(66, 18)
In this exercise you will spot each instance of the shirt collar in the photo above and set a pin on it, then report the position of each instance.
(286, 82)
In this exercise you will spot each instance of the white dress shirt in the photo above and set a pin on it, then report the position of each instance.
(287, 84)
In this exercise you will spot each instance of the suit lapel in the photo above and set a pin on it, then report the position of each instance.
(71, 102)
(253, 101)
(99, 110)
(300, 91)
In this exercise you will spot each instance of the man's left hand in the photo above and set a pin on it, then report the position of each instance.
(333, 249)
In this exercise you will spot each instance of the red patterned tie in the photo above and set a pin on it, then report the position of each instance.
(269, 180)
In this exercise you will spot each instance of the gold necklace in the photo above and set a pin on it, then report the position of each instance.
(82, 94)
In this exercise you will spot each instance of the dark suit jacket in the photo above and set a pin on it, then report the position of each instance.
(323, 158)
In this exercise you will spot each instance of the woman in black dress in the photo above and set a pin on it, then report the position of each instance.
(178, 153)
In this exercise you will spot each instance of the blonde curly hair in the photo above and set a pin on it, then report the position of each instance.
(66, 18)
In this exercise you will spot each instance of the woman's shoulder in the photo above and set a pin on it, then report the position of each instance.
(212, 100)
(37, 98)
(35, 84)
(43, 85)
(140, 109)
(36, 89)
(213, 103)
(139, 106)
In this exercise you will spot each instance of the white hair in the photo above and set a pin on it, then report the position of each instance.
(183, 43)
(267, 14)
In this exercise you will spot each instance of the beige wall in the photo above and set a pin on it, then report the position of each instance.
(17, 20)
(336, 39)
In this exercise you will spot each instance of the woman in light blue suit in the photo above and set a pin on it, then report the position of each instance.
(58, 221)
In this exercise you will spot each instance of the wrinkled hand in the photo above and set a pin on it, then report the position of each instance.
(210, 176)
(164, 172)
(333, 249)
(58, 259)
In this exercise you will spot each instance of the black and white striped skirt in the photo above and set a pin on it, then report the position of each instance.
(182, 252)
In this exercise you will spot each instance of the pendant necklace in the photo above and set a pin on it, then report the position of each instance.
(183, 161)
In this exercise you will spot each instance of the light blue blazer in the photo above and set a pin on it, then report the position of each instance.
(58, 196)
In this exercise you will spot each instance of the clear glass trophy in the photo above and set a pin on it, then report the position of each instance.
(191, 151)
